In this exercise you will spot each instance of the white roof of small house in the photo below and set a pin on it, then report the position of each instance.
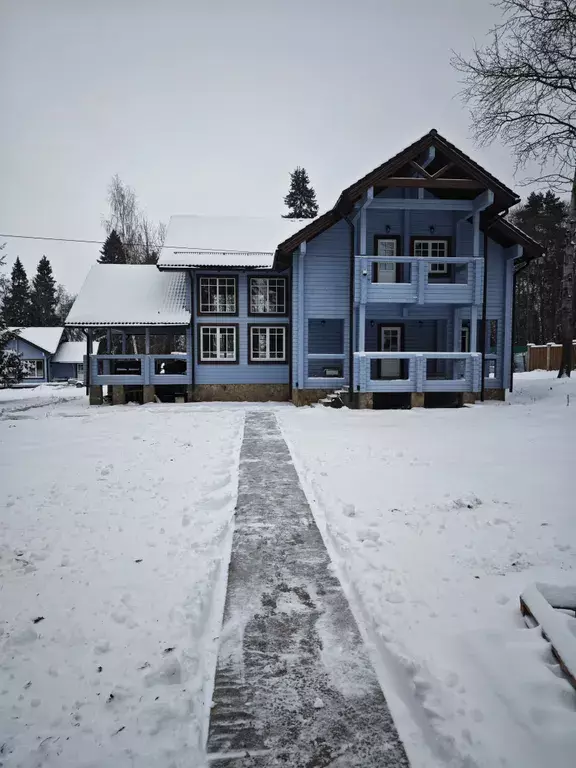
(131, 294)
(43, 338)
(72, 352)
(225, 241)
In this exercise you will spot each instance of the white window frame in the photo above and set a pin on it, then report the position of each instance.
(267, 331)
(36, 365)
(386, 266)
(222, 283)
(219, 331)
(281, 309)
(437, 267)
(79, 370)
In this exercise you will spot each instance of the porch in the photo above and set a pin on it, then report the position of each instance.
(142, 357)
(418, 371)
(418, 280)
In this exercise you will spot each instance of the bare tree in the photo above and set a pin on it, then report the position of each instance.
(141, 238)
(521, 88)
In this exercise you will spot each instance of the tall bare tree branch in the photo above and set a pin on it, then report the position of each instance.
(521, 88)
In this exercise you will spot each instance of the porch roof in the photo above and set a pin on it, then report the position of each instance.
(131, 294)
(240, 242)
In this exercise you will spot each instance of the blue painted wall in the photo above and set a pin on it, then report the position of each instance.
(63, 371)
(243, 372)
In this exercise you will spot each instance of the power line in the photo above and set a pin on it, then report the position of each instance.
(101, 242)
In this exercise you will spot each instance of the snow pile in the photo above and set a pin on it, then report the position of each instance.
(24, 398)
(437, 520)
(115, 537)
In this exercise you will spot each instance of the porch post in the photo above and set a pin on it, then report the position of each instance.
(363, 273)
(301, 328)
(474, 328)
(457, 331)
(123, 342)
(476, 240)
(147, 341)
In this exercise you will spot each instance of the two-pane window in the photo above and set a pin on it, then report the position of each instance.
(268, 296)
(218, 343)
(433, 249)
(267, 344)
(217, 295)
(33, 369)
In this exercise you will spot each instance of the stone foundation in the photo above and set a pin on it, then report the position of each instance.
(469, 398)
(95, 395)
(148, 393)
(417, 399)
(308, 396)
(255, 393)
(365, 400)
(494, 394)
(118, 394)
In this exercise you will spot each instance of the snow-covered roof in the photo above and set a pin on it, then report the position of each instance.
(72, 352)
(225, 241)
(43, 338)
(131, 294)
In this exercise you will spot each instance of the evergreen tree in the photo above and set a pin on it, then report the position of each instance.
(301, 198)
(17, 305)
(112, 251)
(43, 295)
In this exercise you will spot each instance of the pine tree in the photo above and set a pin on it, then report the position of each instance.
(301, 198)
(43, 295)
(17, 305)
(112, 251)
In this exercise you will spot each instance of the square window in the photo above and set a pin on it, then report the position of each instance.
(217, 295)
(267, 295)
(218, 343)
(267, 344)
(433, 249)
(33, 369)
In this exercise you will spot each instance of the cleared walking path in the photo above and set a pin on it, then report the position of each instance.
(294, 686)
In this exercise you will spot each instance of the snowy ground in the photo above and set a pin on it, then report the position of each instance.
(18, 398)
(116, 523)
(437, 520)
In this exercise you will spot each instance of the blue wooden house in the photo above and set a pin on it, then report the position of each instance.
(401, 294)
(37, 347)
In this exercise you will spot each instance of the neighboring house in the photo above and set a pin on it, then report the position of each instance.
(37, 347)
(401, 294)
(68, 362)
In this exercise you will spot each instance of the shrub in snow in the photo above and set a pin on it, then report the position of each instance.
(11, 368)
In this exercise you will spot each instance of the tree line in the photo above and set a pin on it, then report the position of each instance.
(37, 302)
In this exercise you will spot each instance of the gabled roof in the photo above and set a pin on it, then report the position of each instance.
(504, 197)
(46, 339)
(130, 294)
(224, 241)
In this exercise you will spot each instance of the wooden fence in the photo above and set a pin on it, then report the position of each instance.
(546, 357)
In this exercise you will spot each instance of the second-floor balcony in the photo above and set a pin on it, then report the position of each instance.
(418, 280)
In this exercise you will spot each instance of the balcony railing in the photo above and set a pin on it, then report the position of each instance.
(140, 369)
(418, 371)
(457, 280)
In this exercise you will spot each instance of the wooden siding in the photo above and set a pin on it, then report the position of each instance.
(243, 372)
(326, 288)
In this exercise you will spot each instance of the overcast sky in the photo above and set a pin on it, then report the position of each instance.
(205, 107)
